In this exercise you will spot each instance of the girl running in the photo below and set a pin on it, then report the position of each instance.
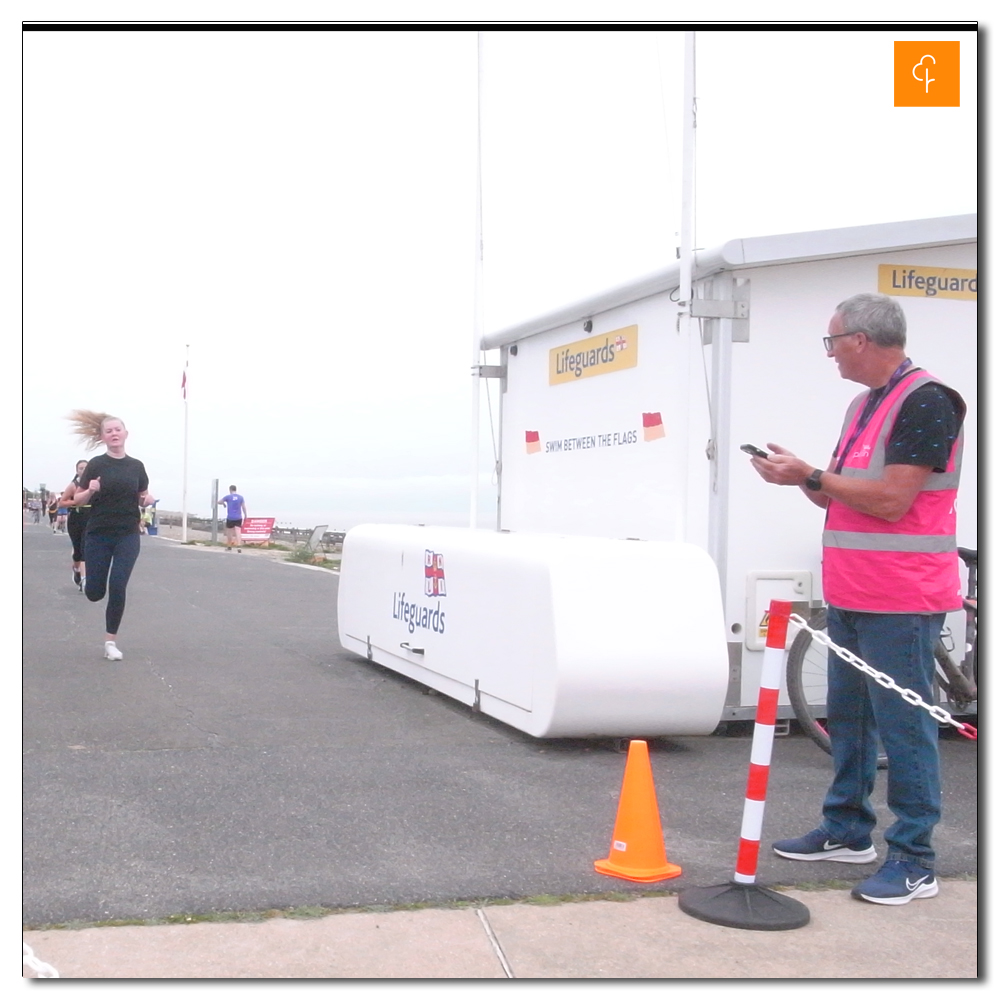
(116, 486)
(77, 522)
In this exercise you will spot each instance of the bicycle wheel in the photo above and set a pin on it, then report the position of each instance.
(805, 676)
(950, 682)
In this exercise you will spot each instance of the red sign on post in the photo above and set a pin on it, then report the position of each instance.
(256, 530)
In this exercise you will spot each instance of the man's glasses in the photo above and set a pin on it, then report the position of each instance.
(828, 341)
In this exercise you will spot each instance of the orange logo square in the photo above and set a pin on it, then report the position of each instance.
(926, 75)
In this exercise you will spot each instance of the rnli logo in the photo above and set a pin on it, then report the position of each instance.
(434, 574)
(863, 452)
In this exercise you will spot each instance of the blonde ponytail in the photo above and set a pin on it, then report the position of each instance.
(88, 426)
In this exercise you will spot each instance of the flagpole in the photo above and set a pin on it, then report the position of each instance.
(184, 480)
(685, 293)
(477, 323)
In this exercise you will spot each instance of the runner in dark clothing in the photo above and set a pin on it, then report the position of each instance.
(115, 486)
(76, 523)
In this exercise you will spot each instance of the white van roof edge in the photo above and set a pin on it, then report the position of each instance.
(756, 251)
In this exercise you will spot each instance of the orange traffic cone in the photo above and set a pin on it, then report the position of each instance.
(637, 851)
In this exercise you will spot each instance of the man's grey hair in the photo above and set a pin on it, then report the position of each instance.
(879, 316)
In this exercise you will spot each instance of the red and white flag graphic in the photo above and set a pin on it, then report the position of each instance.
(531, 442)
(652, 426)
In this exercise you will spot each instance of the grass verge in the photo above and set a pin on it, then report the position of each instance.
(315, 912)
(306, 557)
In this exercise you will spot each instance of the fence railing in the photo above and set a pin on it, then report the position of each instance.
(330, 539)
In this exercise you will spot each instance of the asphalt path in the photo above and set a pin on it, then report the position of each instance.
(238, 759)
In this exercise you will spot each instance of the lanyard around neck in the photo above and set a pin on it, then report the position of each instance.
(871, 405)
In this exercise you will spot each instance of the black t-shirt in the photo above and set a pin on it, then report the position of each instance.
(926, 427)
(114, 508)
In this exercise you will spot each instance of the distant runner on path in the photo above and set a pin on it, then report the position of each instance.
(77, 522)
(236, 510)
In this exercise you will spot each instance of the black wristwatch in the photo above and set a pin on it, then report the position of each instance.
(812, 482)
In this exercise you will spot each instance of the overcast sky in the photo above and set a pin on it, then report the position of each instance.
(299, 209)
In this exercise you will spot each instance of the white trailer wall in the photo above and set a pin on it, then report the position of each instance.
(594, 473)
(783, 389)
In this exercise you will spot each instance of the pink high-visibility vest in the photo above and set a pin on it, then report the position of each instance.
(909, 566)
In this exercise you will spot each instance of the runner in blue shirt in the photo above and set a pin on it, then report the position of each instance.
(236, 510)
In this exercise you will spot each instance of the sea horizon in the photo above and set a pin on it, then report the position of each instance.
(344, 520)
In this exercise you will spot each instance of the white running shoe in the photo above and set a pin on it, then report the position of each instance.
(111, 651)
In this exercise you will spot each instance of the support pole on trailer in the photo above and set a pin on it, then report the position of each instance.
(741, 902)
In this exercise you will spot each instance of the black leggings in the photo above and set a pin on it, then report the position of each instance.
(76, 526)
(109, 565)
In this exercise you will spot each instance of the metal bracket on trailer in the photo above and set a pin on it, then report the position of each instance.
(720, 309)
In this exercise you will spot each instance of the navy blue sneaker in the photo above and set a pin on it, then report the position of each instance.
(820, 846)
(897, 882)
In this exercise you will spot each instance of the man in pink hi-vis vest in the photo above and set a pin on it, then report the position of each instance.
(890, 573)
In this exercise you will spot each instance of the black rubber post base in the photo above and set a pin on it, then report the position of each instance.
(750, 907)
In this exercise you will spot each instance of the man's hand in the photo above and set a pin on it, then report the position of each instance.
(782, 467)
(95, 485)
(888, 498)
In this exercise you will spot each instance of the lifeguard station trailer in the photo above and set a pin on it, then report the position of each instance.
(613, 425)
(624, 587)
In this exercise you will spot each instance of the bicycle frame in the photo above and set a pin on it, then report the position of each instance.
(963, 677)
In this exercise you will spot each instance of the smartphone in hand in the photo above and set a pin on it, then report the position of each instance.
(752, 449)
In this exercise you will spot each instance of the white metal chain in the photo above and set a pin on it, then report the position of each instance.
(936, 712)
(44, 970)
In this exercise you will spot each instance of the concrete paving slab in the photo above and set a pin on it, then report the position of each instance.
(654, 939)
(428, 944)
(646, 938)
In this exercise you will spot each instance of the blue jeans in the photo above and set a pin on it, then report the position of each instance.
(109, 562)
(859, 711)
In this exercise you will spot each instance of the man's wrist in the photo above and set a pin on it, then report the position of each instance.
(813, 481)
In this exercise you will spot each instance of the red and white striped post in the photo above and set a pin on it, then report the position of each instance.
(763, 742)
(741, 902)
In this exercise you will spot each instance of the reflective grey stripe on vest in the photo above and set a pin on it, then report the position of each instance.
(935, 481)
(876, 465)
(888, 542)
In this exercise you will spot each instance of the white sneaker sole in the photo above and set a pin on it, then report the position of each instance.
(845, 856)
(924, 892)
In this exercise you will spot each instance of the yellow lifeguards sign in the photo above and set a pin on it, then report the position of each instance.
(928, 282)
(607, 352)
